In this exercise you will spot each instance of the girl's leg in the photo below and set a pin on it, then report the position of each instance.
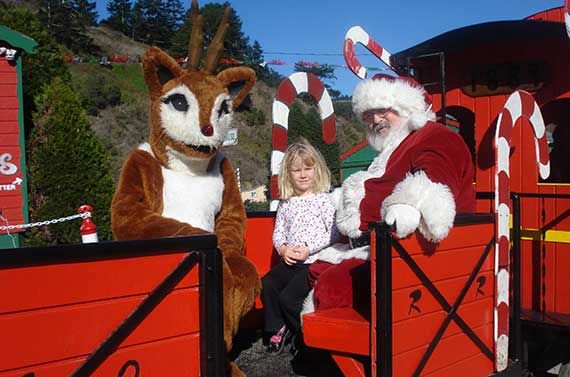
(292, 297)
(272, 284)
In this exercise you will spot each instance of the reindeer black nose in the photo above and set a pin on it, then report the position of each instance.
(208, 130)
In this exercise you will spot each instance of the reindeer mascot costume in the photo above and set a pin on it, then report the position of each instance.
(179, 184)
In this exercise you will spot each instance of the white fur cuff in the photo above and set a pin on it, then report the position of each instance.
(434, 201)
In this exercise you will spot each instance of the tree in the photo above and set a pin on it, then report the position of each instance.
(236, 44)
(86, 10)
(40, 68)
(155, 21)
(69, 167)
(325, 72)
(67, 22)
(120, 15)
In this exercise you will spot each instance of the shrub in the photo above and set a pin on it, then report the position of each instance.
(256, 206)
(68, 166)
(99, 92)
(253, 117)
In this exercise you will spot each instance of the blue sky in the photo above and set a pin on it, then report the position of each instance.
(318, 27)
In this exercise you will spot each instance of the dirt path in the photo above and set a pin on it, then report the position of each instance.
(255, 362)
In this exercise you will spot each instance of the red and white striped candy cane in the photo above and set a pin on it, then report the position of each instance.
(567, 16)
(288, 90)
(357, 34)
(519, 104)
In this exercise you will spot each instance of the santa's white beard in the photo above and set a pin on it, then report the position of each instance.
(394, 135)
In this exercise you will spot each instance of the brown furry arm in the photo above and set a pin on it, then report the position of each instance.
(137, 203)
(231, 221)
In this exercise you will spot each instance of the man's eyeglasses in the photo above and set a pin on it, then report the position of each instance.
(368, 116)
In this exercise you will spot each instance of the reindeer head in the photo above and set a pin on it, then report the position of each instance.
(191, 109)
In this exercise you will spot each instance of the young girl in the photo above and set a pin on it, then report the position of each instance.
(305, 224)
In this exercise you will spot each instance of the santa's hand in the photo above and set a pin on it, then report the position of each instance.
(405, 217)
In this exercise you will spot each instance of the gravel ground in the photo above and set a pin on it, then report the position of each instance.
(250, 355)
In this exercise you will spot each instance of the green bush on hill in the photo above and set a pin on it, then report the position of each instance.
(68, 166)
(98, 92)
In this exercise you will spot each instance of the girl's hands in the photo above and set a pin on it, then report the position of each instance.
(294, 255)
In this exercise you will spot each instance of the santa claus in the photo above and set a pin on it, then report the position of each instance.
(421, 177)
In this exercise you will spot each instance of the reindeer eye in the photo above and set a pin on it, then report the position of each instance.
(224, 109)
(178, 101)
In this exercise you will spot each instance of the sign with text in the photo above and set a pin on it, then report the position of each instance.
(504, 78)
(231, 137)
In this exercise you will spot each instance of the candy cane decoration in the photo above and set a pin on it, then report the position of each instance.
(354, 35)
(519, 104)
(289, 89)
(567, 16)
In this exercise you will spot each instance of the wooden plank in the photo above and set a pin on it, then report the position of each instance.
(349, 366)
(438, 266)
(179, 356)
(339, 329)
(417, 301)
(57, 285)
(9, 139)
(459, 238)
(10, 201)
(470, 367)
(47, 335)
(8, 89)
(259, 243)
(9, 103)
(14, 216)
(8, 77)
(9, 115)
(419, 332)
(450, 351)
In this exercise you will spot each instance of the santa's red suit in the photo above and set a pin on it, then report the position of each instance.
(424, 178)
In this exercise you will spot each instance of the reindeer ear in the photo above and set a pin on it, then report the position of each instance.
(237, 74)
(158, 69)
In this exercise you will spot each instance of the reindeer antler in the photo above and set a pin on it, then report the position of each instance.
(196, 38)
(216, 47)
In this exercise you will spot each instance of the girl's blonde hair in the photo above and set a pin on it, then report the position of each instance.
(309, 156)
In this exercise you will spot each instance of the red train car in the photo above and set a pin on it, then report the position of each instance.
(470, 72)
(130, 310)
(150, 307)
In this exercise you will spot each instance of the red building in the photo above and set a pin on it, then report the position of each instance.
(13, 181)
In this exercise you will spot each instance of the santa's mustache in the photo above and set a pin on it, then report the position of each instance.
(377, 127)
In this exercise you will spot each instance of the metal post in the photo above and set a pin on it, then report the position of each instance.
(442, 77)
(384, 301)
(212, 352)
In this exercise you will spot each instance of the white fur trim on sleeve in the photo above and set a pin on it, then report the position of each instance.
(348, 213)
(338, 252)
(434, 201)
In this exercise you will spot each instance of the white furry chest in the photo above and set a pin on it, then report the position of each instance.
(195, 200)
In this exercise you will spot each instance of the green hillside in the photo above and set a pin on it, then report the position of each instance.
(123, 125)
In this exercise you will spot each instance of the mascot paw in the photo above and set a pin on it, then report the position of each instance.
(405, 217)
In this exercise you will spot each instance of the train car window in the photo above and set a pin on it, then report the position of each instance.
(558, 137)
(556, 116)
(462, 120)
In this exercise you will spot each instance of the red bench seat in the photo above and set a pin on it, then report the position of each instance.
(339, 329)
